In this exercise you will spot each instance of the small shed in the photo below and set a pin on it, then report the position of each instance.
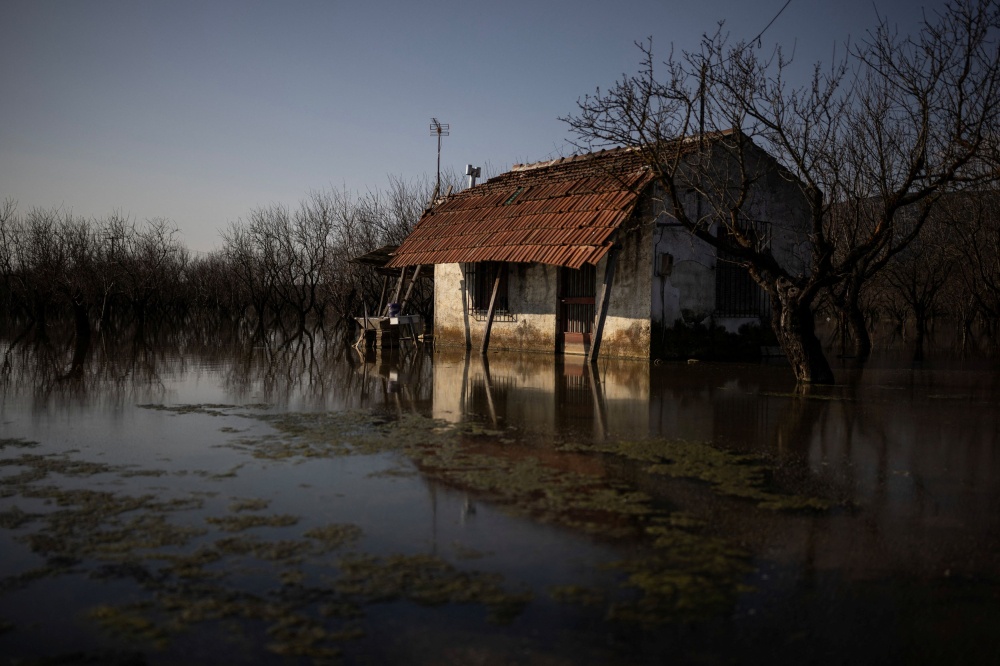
(579, 255)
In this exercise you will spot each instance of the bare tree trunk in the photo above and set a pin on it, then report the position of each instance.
(861, 341)
(793, 322)
(920, 329)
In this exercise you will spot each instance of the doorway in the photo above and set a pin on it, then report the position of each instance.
(575, 321)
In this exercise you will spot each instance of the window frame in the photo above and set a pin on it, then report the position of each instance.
(479, 278)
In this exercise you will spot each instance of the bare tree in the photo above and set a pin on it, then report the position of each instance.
(975, 220)
(896, 122)
(917, 277)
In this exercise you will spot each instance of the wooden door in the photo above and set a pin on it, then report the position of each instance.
(577, 289)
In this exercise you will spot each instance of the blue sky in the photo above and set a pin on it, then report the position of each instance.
(200, 111)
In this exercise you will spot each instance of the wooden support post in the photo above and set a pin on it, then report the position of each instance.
(381, 298)
(602, 306)
(492, 310)
(409, 290)
(399, 286)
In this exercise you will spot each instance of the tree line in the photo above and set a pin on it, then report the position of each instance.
(945, 281)
(289, 270)
(279, 269)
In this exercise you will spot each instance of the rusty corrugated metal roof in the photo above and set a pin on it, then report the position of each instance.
(563, 212)
(378, 259)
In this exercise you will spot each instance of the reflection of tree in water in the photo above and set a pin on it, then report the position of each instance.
(121, 365)
(118, 366)
(89, 368)
(321, 370)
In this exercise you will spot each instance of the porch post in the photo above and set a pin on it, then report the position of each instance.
(409, 289)
(602, 306)
(492, 310)
(399, 286)
(381, 298)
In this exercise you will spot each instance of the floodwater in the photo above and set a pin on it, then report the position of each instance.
(190, 500)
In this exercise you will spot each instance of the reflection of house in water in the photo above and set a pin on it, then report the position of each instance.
(394, 378)
(718, 403)
(542, 392)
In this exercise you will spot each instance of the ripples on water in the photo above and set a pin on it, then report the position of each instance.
(214, 502)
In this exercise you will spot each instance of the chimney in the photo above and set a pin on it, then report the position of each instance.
(473, 173)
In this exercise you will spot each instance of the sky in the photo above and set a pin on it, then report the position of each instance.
(199, 112)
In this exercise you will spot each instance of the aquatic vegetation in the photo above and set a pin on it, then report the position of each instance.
(209, 409)
(578, 595)
(192, 557)
(426, 580)
(249, 504)
(684, 575)
(16, 443)
(13, 518)
(240, 523)
(732, 474)
(114, 534)
(129, 622)
(483, 461)
(334, 536)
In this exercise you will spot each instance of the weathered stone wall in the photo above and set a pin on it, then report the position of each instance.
(626, 329)
(531, 296)
(687, 293)
(686, 289)
(451, 321)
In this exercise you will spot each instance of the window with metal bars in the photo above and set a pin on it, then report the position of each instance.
(479, 280)
(736, 293)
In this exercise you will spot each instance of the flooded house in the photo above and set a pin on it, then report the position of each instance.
(582, 255)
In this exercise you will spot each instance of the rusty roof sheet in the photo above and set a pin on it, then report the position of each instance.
(563, 212)
(378, 259)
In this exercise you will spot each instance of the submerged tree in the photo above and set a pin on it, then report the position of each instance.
(898, 121)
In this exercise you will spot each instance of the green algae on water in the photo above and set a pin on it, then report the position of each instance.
(16, 443)
(736, 475)
(129, 622)
(113, 534)
(246, 522)
(426, 580)
(577, 595)
(249, 504)
(309, 603)
(334, 536)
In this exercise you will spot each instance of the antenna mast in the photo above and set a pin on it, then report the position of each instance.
(439, 130)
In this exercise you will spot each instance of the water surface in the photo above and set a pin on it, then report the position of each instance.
(220, 503)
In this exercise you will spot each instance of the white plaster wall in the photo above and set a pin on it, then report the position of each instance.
(688, 293)
(627, 326)
(450, 317)
(531, 296)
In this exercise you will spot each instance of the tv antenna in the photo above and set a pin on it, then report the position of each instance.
(439, 130)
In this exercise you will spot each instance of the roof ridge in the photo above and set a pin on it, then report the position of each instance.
(527, 166)
(615, 150)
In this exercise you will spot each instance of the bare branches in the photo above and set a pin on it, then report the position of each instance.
(892, 125)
